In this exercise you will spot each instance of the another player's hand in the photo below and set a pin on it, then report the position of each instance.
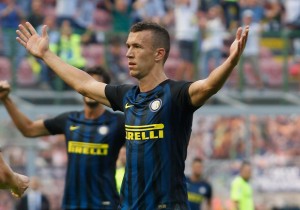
(34, 43)
(238, 45)
(4, 89)
(20, 185)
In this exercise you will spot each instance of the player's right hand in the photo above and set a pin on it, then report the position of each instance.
(34, 43)
(4, 89)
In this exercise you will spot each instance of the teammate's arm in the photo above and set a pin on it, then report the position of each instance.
(79, 80)
(26, 126)
(201, 90)
(17, 183)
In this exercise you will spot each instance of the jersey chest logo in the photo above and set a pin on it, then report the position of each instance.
(103, 130)
(155, 105)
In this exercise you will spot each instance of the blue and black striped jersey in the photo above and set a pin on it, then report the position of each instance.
(198, 192)
(158, 127)
(92, 147)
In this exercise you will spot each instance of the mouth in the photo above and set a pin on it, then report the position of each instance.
(131, 65)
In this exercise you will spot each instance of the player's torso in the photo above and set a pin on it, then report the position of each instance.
(92, 147)
(154, 176)
(197, 193)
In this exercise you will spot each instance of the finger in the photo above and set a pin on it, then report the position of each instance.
(239, 33)
(24, 38)
(21, 41)
(44, 31)
(31, 29)
(245, 36)
(24, 31)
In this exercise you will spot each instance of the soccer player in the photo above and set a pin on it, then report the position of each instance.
(241, 191)
(93, 136)
(199, 190)
(15, 182)
(158, 111)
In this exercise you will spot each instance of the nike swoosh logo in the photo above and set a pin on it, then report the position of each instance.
(72, 127)
(128, 106)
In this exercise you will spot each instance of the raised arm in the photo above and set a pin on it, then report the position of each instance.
(201, 90)
(79, 80)
(26, 126)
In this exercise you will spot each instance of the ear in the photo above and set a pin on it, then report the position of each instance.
(160, 54)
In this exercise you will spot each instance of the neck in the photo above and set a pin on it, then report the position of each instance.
(195, 177)
(93, 113)
(150, 81)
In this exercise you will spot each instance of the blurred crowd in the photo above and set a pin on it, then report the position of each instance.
(236, 137)
(93, 32)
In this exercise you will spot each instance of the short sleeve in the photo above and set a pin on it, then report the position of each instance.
(57, 124)
(115, 95)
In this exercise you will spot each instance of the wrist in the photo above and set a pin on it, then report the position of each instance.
(47, 55)
(5, 99)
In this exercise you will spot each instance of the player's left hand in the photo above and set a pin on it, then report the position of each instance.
(238, 45)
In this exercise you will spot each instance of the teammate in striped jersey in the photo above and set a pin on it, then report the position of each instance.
(199, 190)
(158, 111)
(93, 136)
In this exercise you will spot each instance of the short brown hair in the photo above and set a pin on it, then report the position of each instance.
(161, 37)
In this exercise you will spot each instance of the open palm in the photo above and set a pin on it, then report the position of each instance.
(238, 45)
(28, 37)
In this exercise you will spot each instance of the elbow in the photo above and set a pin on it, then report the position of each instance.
(28, 133)
(211, 90)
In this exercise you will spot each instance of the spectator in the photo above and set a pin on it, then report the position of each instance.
(11, 15)
(69, 46)
(252, 50)
(46, 76)
(255, 6)
(212, 44)
(85, 15)
(231, 10)
(121, 15)
(36, 16)
(149, 10)
(66, 10)
(273, 15)
(186, 35)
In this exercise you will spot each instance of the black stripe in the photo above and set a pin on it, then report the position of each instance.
(79, 182)
(88, 178)
(129, 175)
(130, 169)
(141, 167)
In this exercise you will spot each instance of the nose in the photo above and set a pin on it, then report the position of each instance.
(129, 53)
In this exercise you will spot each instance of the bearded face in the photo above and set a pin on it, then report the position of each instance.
(90, 102)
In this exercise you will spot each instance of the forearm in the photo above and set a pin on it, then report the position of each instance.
(218, 76)
(19, 119)
(73, 76)
(6, 173)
